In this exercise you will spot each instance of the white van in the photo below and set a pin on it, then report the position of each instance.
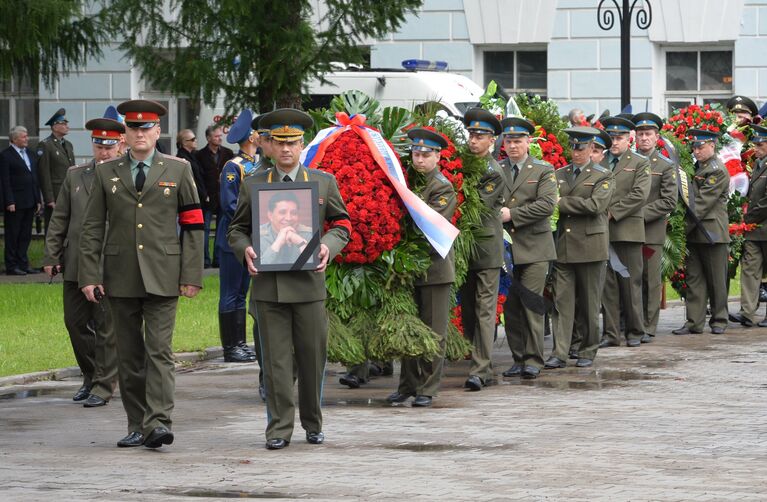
(417, 83)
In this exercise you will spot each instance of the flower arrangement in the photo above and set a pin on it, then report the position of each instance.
(706, 117)
(546, 146)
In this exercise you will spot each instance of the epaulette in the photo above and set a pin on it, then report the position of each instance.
(237, 159)
(318, 171)
(173, 157)
(303, 228)
(79, 166)
(638, 154)
(598, 167)
(441, 177)
(663, 158)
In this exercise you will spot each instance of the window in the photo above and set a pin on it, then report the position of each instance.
(517, 71)
(697, 77)
(19, 105)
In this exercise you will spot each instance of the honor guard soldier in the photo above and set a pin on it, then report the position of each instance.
(623, 281)
(233, 274)
(582, 243)
(88, 324)
(421, 377)
(143, 216)
(264, 144)
(743, 108)
(479, 293)
(55, 156)
(291, 311)
(530, 195)
(707, 227)
(754, 257)
(660, 204)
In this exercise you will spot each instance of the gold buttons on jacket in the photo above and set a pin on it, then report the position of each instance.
(140, 247)
(140, 204)
(567, 230)
(140, 225)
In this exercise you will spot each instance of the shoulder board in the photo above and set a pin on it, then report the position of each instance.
(79, 166)
(304, 228)
(600, 168)
(237, 160)
(441, 177)
(634, 152)
(178, 159)
(662, 157)
(318, 171)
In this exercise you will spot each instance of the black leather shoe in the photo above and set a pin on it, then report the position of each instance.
(605, 343)
(246, 349)
(387, 369)
(716, 330)
(530, 372)
(763, 293)
(573, 354)
(762, 323)
(31, 270)
(132, 439)
(473, 383)
(553, 363)
(350, 381)
(82, 393)
(262, 392)
(158, 437)
(422, 401)
(684, 330)
(515, 370)
(237, 355)
(633, 342)
(15, 271)
(743, 320)
(646, 338)
(315, 437)
(396, 397)
(276, 444)
(94, 401)
(584, 363)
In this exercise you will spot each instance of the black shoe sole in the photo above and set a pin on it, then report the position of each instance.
(159, 440)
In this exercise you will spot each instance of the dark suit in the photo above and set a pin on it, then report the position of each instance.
(197, 173)
(211, 165)
(20, 188)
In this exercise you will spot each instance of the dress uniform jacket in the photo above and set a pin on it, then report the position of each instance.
(143, 253)
(531, 198)
(662, 198)
(582, 230)
(489, 250)
(56, 156)
(232, 176)
(711, 184)
(440, 196)
(757, 202)
(632, 187)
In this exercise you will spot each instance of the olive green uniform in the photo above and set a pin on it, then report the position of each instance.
(707, 262)
(290, 308)
(582, 245)
(531, 196)
(624, 294)
(55, 156)
(479, 293)
(421, 376)
(755, 245)
(95, 349)
(145, 262)
(660, 203)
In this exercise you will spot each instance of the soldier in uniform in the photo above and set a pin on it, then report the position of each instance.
(754, 258)
(144, 217)
(660, 204)
(232, 273)
(420, 377)
(479, 293)
(530, 195)
(291, 311)
(707, 228)
(623, 281)
(582, 243)
(55, 156)
(743, 108)
(88, 325)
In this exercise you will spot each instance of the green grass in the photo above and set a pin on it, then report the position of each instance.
(671, 293)
(33, 336)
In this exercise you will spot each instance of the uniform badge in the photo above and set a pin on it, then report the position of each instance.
(230, 177)
(77, 188)
(166, 184)
(321, 201)
(442, 201)
(606, 185)
(166, 192)
(57, 152)
(39, 153)
(114, 180)
(712, 180)
(114, 188)
(489, 188)
(553, 177)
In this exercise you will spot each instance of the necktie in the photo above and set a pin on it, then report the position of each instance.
(514, 173)
(576, 172)
(25, 157)
(140, 177)
(286, 179)
(613, 163)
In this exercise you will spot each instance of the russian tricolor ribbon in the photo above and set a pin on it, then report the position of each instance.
(438, 231)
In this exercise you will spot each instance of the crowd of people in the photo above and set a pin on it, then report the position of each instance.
(129, 232)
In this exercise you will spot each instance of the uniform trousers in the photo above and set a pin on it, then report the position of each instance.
(479, 300)
(706, 282)
(652, 286)
(624, 294)
(524, 328)
(751, 270)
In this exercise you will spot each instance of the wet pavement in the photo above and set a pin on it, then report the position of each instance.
(682, 418)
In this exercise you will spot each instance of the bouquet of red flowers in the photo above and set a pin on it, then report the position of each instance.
(694, 117)
(550, 149)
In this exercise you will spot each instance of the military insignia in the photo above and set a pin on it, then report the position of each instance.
(442, 201)
(606, 185)
(115, 180)
(166, 184)
(489, 188)
(321, 201)
(114, 188)
(77, 188)
(553, 177)
(39, 153)
(139, 116)
(712, 180)
(230, 177)
(57, 153)
(166, 192)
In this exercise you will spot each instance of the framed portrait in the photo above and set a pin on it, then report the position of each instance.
(286, 226)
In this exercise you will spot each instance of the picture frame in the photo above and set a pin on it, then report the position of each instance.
(286, 226)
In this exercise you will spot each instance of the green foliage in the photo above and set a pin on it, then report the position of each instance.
(456, 346)
(343, 346)
(393, 123)
(491, 100)
(47, 39)
(675, 245)
(258, 54)
(545, 113)
(400, 332)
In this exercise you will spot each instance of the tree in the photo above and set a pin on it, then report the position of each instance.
(253, 53)
(47, 38)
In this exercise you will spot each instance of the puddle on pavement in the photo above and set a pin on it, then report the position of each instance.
(27, 393)
(599, 379)
(232, 494)
(445, 447)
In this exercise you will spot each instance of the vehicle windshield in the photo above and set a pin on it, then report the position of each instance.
(462, 107)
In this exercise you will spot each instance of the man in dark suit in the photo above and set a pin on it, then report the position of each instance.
(212, 158)
(21, 194)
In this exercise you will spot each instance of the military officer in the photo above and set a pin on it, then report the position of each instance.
(144, 217)
(743, 108)
(582, 243)
(707, 228)
(291, 305)
(479, 293)
(755, 245)
(88, 325)
(660, 204)
(232, 273)
(420, 377)
(530, 195)
(55, 155)
(623, 281)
